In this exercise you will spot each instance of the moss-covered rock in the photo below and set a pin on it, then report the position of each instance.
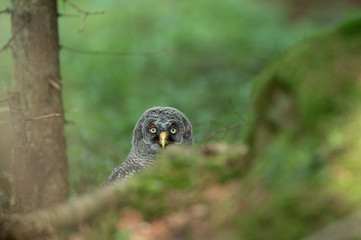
(304, 137)
(309, 85)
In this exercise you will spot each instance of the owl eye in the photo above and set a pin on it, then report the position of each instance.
(173, 130)
(152, 129)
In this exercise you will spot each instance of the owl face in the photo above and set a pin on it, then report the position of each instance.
(160, 127)
(162, 132)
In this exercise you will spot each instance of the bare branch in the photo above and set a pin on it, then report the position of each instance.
(68, 15)
(81, 10)
(69, 122)
(51, 115)
(225, 129)
(2, 48)
(6, 10)
(84, 13)
(238, 114)
(54, 84)
(70, 49)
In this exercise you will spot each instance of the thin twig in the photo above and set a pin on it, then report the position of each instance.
(54, 84)
(68, 15)
(69, 122)
(83, 22)
(6, 10)
(51, 115)
(103, 52)
(238, 114)
(84, 13)
(224, 129)
(81, 10)
(12, 37)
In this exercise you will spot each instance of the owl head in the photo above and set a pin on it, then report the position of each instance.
(160, 127)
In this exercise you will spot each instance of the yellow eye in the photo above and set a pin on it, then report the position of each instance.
(152, 129)
(173, 130)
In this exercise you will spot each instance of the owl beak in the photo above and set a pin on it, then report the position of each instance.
(163, 139)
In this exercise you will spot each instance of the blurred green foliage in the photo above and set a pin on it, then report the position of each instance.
(304, 178)
(304, 148)
(207, 52)
(203, 58)
(199, 56)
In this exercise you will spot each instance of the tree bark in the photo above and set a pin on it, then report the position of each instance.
(35, 48)
(20, 153)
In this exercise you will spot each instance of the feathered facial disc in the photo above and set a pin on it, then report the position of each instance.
(162, 126)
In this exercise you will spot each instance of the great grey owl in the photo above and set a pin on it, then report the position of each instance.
(157, 128)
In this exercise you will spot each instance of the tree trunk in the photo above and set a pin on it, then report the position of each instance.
(40, 173)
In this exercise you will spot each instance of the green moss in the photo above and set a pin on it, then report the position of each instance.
(346, 145)
(288, 216)
(183, 174)
(351, 27)
(303, 138)
(318, 78)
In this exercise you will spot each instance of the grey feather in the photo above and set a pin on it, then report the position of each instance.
(144, 146)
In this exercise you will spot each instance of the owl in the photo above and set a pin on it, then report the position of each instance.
(156, 129)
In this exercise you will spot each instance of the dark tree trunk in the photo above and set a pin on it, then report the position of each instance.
(40, 161)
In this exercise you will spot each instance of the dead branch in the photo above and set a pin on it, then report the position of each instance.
(67, 15)
(54, 84)
(6, 10)
(4, 47)
(81, 10)
(238, 114)
(84, 13)
(69, 122)
(70, 49)
(51, 115)
(225, 129)
(45, 222)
